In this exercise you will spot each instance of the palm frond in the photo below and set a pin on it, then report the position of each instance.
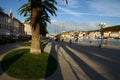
(66, 1)
(25, 9)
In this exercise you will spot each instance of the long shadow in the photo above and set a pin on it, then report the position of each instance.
(51, 66)
(112, 67)
(58, 74)
(92, 74)
(76, 75)
(112, 55)
(43, 46)
(6, 63)
(107, 52)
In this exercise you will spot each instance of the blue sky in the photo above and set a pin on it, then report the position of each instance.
(14, 5)
(76, 15)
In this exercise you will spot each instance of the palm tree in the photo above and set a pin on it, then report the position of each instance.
(38, 12)
(43, 30)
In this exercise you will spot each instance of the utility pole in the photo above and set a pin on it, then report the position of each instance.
(102, 24)
(62, 27)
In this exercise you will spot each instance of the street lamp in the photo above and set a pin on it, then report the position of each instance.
(102, 24)
(109, 34)
(62, 27)
(119, 34)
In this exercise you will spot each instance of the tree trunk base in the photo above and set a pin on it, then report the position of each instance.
(35, 51)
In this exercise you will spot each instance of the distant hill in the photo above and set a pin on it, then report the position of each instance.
(112, 28)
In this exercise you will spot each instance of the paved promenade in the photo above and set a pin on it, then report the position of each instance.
(83, 62)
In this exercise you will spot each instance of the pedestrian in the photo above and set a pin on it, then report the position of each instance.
(70, 41)
(106, 42)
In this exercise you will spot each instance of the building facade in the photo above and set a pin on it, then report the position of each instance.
(27, 28)
(10, 27)
(78, 35)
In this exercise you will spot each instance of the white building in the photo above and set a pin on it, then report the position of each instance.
(10, 26)
(27, 28)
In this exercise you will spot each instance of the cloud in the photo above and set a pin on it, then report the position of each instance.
(67, 11)
(71, 3)
(108, 8)
(100, 12)
(105, 7)
(75, 25)
(58, 26)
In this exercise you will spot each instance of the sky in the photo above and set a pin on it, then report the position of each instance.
(80, 15)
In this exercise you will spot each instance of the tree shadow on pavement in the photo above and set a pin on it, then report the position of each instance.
(70, 65)
(43, 46)
(105, 58)
(91, 73)
(106, 52)
(58, 74)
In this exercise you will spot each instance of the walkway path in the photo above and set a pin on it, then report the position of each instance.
(82, 62)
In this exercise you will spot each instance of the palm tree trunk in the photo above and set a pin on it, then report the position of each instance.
(35, 43)
(35, 18)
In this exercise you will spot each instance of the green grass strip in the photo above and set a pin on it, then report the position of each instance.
(29, 43)
(26, 44)
(22, 65)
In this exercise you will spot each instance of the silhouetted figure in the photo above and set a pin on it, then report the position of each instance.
(70, 41)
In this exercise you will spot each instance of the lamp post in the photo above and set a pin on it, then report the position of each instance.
(119, 34)
(102, 24)
(62, 27)
(109, 34)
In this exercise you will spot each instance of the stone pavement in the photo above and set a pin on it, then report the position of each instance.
(82, 62)
(64, 71)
